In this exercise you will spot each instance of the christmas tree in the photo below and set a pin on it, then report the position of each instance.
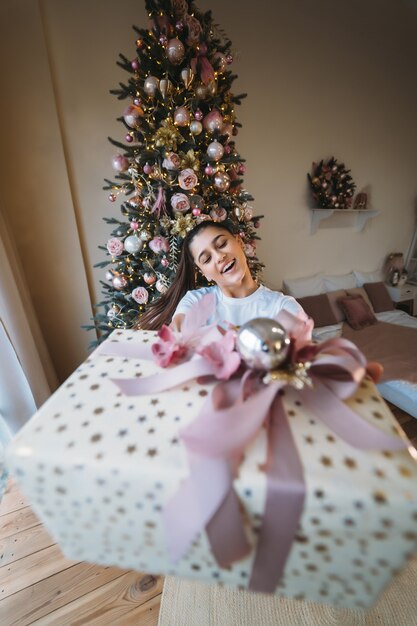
(177, 163)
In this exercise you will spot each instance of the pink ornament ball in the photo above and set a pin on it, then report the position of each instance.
(149, 278)
(229, 58)
(112, 197)
(163, 40)
(164, 262)
(209, 170)
(129, 138)
(179, 26)
(196, 212)
(227, 149)
(132, 114)
(213, 121)
(135, 65)
(257, 224)
(120, 163)
(134, 225)
(137, 102)
(175, 51)
(120, 282)
(221, 181)
(181, 116)
(242, 169)
(147, 169)
(198, 115)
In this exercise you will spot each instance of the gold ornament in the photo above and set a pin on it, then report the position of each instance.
(165, 223)
(189, 160)
(183, 224)
(201, 91)
(168, 135)
(212, 88)
(187, 76)
(165, 87)
(156, 173)
(295, 375)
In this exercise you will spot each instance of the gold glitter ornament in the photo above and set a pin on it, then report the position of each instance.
(183, 224)
(189, 160)
(168, 136)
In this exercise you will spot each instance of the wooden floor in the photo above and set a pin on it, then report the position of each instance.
(39, 586)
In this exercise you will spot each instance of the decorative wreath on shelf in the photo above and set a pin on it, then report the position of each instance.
(331, 184)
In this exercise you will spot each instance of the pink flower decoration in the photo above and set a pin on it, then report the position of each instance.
(219, 214)
(249, 249)
(168, 349)
(187, 179)
(115, 246)
(222, 355)
(140, 295)
(172, 161)
(194, 29)
(159, 244)
(180, 202)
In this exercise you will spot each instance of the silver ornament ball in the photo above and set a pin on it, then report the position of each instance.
(150, 85)
(263, 343)
(196, 127)
(133, 244)
(215, 151)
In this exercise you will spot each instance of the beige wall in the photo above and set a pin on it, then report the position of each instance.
(325, 78)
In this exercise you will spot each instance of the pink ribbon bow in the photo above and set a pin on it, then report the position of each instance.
(230, 419)
(202, 64)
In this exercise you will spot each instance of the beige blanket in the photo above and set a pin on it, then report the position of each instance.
(395, 347)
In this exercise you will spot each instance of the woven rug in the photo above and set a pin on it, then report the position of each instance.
(186, 603)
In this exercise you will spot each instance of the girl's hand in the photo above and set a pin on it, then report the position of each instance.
(374, 371)
(176, 323)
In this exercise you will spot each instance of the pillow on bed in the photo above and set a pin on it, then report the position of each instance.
(360, 291)
(333, 297)
(343, 281)
(300, 287)
(379, 296)
(318, 307)
(358, 313)
(367, 277)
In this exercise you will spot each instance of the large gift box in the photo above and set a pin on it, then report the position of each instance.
(102, 468)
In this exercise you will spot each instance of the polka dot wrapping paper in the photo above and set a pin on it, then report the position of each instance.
(98, 468)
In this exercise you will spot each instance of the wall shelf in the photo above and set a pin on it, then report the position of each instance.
(361, 217)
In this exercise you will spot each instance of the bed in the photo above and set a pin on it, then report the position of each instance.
(326, 299)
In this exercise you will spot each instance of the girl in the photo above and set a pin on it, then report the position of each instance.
(212, 249)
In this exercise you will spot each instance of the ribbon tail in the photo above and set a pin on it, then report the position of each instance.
(125, 349)
(346, 423)
(226, 532)
(206, 70)
(163, 381)
(192, 507)
(284, 503)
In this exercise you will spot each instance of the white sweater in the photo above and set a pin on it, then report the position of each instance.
(261, 303)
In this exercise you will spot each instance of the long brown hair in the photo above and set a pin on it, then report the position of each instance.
(161, 311)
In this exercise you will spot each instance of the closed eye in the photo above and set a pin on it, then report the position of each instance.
(206, 260)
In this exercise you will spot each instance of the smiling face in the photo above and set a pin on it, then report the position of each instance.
(220, 257)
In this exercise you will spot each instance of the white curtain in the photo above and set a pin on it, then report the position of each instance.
(27, 377)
